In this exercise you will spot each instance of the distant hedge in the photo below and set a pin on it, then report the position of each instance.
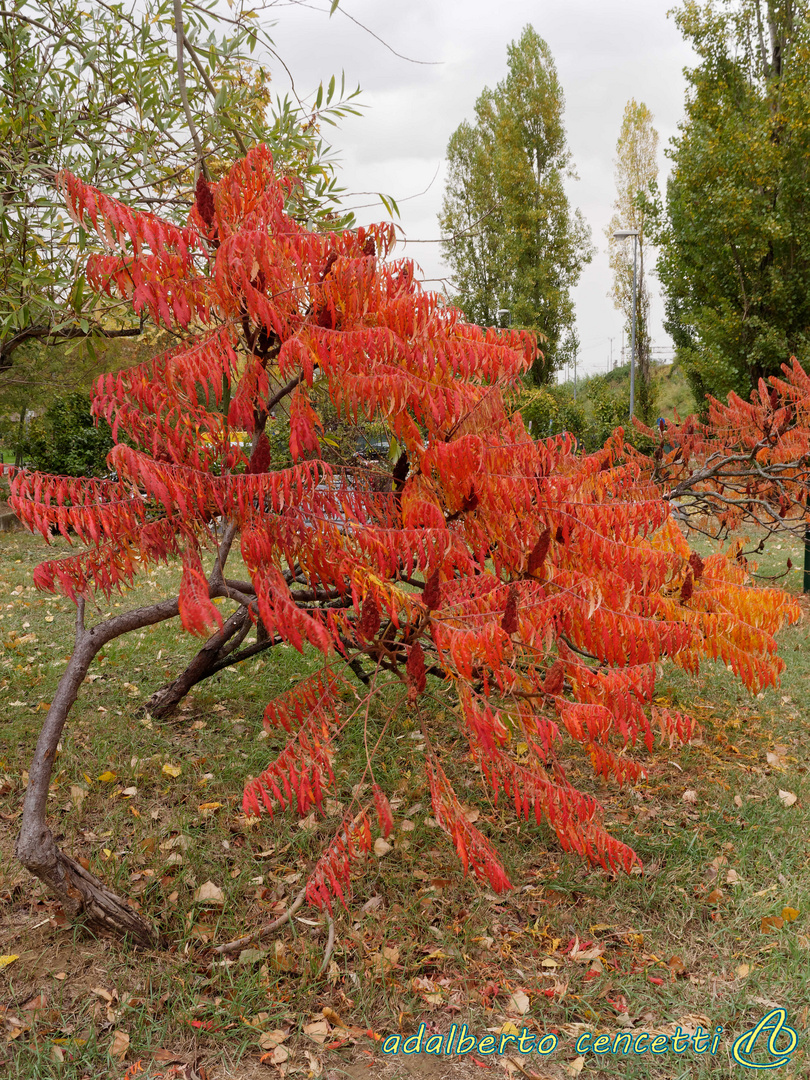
(67, 441)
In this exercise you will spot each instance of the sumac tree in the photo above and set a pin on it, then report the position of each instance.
(532, 589)
(746, 464)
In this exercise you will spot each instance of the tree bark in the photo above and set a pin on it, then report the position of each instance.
(165, 700)
(80, 893)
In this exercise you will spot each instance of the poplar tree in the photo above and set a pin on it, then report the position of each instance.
(735, 259)
(514, 244)
(636, 175)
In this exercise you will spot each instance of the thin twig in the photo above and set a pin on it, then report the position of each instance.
(181, 86)
(264, 931)
(330, 945)
(192, 52)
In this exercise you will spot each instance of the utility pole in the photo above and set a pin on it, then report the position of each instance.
(610, 362)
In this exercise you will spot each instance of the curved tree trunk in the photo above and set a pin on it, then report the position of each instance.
(80, 893)
(220, 650)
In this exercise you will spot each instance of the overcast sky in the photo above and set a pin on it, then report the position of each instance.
(606, 52)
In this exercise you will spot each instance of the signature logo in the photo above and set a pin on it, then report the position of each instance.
(766, 1034)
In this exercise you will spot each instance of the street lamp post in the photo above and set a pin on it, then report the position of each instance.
(623, 234)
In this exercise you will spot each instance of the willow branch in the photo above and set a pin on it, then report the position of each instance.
(192, 52)
(181, 85)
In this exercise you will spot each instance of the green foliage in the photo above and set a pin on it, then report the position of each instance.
(513, 242)
(96, 88)
(66, 440)
(552, 410)
(735, 263)
(602, 405)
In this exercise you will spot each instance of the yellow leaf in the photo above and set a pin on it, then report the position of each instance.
(171, 770)
(789, 914)
(108, 777)
(9, 958)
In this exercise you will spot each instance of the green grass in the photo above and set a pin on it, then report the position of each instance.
(420, 942)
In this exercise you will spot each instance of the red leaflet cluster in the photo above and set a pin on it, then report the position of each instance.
(749, 461)
(541, 585)
(299, 774)
(332, 873)
(474, 850)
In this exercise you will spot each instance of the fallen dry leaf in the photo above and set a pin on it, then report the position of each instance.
(269, 1040)
(787, 798)
(742, 970)
(209, 893)
(585, 956)
(391, 954)
(77, 795)
(518, 1003)
(166, 1056)
(315, 1064)
(171, 770)
(789, 914)
(8, 958)
(771, 922)
(381, 847)
(575, 1067)
(690, 796)
(119, 1045)
(317, 1030)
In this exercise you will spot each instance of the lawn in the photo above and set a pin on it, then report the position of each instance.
(714, 932)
